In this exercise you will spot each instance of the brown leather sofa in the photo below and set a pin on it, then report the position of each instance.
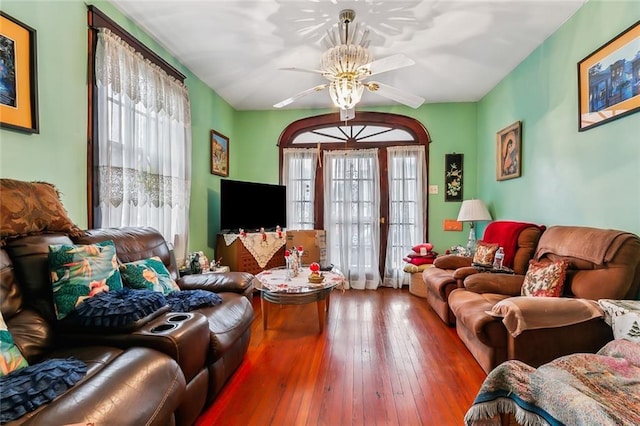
(165, 370)
(449, 271)
(603, 264)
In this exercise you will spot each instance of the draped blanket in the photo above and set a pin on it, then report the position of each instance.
(593, 389)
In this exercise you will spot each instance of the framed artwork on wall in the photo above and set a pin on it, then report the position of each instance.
(508, 149)
(609, 80)
(18, 76)
(453, 164)
(219, 154)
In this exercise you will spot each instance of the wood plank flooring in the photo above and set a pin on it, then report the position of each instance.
(384, 358)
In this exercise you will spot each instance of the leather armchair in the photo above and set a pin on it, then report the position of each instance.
(603, 264)
(449, 271)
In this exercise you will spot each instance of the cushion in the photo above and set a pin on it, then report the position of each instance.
(419, 260)
(484, 253)
(544, 279)
(118, 308)
(27, 389)
(149, 274)
(423, 248)
(412, 269)
(28, 208)
(12, 358)
(82, 271)
(188, 300)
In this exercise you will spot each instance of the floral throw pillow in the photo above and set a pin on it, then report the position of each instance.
(484, 253)
(544, 279)
(12, 358)
(82, 271)
(149, 274)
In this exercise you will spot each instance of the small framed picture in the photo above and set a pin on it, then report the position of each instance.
(508, 149)
(18, 76)
(219, 154)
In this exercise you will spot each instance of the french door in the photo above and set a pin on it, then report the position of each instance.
(363, 182)
(352, 214)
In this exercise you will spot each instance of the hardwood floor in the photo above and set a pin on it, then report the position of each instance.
(384, 358)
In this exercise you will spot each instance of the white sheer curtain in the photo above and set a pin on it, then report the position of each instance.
(407, 209)
(144, 144)
(352, 214)
(298, 174)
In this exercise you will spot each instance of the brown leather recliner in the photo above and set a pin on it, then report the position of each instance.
(519, 240)
(122, 386)
(208, 343)
(603, 264)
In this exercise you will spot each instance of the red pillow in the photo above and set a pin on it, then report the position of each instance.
(423, 248)
(419, 260)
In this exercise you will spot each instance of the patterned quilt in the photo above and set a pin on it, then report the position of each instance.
(578, 389)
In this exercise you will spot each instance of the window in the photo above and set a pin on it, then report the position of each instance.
(140, 166)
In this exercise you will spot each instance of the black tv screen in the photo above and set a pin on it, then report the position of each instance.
(251, 206)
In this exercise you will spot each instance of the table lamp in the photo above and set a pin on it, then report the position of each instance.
(473, 211)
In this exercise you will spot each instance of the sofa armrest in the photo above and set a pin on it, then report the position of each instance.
(235, 282)
(530, 313)
(486, 282)
(461, 274)
(451, 261)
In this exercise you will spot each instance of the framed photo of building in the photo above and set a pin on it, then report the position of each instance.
(219, 154)
(18, 76)
(609, 80)
(508, 149)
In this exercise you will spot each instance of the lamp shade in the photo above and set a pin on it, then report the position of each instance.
(473, 211)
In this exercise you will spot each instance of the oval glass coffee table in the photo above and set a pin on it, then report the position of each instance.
(276, 289)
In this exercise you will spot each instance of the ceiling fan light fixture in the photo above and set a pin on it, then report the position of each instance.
(346, 92)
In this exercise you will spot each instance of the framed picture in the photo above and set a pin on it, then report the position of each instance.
(18, 85)
(609, 80)
(219, 154)
(453, 177)
(508, 148)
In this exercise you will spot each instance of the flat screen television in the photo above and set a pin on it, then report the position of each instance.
(251, 206)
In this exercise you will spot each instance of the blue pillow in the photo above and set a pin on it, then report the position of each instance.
(118, 308)
(28, 388)
(188, 300)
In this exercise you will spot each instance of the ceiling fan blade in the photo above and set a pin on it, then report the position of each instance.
(299, 95)
(389, 63)
(395, 94)
(347, 114)
(301, 70)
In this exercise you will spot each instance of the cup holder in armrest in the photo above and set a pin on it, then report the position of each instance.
(163, 327)
(179, 317)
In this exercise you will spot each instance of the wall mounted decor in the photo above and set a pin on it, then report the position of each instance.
(219, 154)
(508, 148)
(609, 80)
(18, 76)
(453, 164)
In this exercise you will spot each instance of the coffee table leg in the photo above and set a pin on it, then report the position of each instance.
(321, 310)
(265, 312)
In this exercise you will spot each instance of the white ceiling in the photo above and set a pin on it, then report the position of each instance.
(462, 48)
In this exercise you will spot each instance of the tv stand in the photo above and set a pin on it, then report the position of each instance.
(238, 257)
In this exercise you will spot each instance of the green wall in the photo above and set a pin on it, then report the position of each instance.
(568, 177)
(585, 178)
(452, 128)
(58, 153)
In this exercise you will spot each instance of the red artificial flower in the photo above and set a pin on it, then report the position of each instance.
(286, 253)
(314, 267)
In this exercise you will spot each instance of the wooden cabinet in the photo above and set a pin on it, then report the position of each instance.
(238, 258)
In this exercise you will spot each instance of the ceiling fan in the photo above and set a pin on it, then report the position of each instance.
(346, 63)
